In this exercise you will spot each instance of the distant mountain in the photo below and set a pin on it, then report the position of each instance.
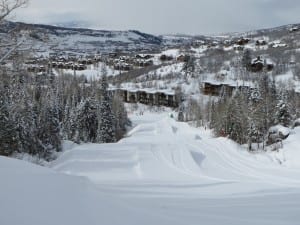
(71, 37)
(49, 37)
(272, 33)
(72, 24)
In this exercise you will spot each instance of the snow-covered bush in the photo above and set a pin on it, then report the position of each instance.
(277, 134)
(297, 123)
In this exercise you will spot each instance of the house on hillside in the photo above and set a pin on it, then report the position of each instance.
(141, 56)
(123, 66)
(258, 65)
(213, 89)
(294, 29)
(132, 96)
(148, 96)
(238, 48)
(242, 41)
(220, 89)
(227, 43)
(113, 55)
(36, 69)
(269, 65)
(278, 44)
(183, 58)
(260, 42)
(52, 55)
(164, 57)
(143, 63)
(79, 67)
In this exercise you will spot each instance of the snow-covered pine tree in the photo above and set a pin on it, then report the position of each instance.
(66, 121)
(180, 116)
(283, 113)
(48, 129)
(254, 129)
(8, 133)
(246, 59)
(121, 117)
(26, 121)
(236, 118)
(218, 116)
(267, 102)
(85, 122)
(189, 66)
(106, 121)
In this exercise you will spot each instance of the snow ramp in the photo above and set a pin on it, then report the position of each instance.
(161, 153)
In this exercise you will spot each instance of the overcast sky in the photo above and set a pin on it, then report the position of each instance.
(166, 16)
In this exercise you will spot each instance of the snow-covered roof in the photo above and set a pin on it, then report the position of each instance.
(269, 61)
(232, 83)
(257, 60)
(147, 90)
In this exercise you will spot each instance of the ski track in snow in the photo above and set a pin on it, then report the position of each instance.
(185, 166)
(164, 172)
(173, 149)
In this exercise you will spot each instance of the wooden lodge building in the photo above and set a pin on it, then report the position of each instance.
(148, 96)
(242, 41)
(219, 89)
(258, 65)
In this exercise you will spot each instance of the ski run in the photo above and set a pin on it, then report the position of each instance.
(164, 172)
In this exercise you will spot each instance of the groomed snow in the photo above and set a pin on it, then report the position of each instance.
(163, 172)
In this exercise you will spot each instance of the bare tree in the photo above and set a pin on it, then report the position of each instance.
(7, 6)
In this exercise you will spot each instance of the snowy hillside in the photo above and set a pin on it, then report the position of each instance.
(164, 172)
(45, 38)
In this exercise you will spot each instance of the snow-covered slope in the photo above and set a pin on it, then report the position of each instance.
(33, 195)
(44, 38)
(289, 156)
(174, 170)
(164, 172)
(165, 150)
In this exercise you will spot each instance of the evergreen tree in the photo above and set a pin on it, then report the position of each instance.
(181, 113)
(254, 130)
(121, 117)
(283, 113)
(26, 121)
(106, 124)
(236, 119)
(85, 122)
(48, 131)
(189, 65)
(27, 125)
(247, 58)
(267, 103)
(66, 121)
(8, 132)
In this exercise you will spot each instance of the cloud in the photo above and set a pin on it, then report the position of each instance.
(166, 16)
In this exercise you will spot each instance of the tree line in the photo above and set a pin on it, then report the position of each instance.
(37, 114)
(38, 111)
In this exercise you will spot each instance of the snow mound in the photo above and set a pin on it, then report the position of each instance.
(297, 123)
(159, 150)
(289, 155)
(279, 129)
